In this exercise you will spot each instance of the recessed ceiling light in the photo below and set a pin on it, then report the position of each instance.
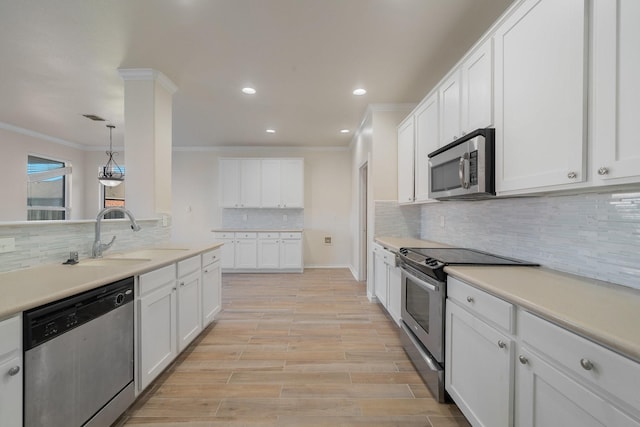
(271, 131)
(248, 91)
(344, 130)
(359, 92)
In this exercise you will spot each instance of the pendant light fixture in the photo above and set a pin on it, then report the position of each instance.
(111, 174)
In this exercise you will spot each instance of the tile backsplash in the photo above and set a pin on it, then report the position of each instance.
(45, 243)
(394, 220)
(271, 219)
(595, 235)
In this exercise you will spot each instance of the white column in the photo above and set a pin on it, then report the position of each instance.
(147, 139)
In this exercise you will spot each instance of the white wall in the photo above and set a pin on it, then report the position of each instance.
(327, 212)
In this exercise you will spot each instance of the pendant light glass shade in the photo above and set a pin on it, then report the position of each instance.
(111, 174)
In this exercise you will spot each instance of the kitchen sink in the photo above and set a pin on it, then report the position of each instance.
(112, 262)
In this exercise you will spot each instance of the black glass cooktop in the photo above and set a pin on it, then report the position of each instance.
(433, 260)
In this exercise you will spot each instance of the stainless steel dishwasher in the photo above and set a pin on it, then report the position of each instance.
(78, 358)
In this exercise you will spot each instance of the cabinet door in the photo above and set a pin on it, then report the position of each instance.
(250, 183)
(228, 253)
(229, 183)
(450, 97)
(547, 397)
(268, 253)
(405, 161)
(271, 183)
(11, 390)
(540, 88)
(292, 183)
(291, 253)
(478, 369)
(395, 298)
(381, 279)
(211, 292)
(427, 140)
(157, 333)
(616, 89)
(246, 253)
(189, 317)
(477, 89)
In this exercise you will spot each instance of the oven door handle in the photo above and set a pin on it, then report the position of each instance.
(427, 286)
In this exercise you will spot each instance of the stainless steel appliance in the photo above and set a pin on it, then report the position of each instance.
(78, 359)
(464, 169)
(424, 290)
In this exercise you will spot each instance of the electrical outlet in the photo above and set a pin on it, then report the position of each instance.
(327, 240)
(8, 244)
(285, 218)
(245, 217)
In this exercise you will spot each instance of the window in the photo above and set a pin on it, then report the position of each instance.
(47, 184)
(114, 196)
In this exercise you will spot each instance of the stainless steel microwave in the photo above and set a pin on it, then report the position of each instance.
(464, 169)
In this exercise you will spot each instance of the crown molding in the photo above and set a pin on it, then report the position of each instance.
(245, 148)
(34, 134)
(148, 74)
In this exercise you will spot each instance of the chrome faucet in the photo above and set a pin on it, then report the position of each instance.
(98, 246)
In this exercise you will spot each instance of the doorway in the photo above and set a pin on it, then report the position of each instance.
(363, 221)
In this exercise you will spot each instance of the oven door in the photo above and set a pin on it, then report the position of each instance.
(423, 300)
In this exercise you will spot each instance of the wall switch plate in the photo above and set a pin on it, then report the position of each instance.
(165, 220)
(7, 244)
(441, 221)
(245, 217)
(285, 218)
(327, 240)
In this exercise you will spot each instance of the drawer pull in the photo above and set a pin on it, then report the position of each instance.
(586, 364)
(14, 371)
(469, 299)
(523, 359)
(502, 344)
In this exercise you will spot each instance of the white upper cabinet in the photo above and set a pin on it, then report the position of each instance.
(262, 183)
(406, 140)
(427, 138)
(450, 108)
(616, 91)
(240, 183)
(477, 88)
(540, 95)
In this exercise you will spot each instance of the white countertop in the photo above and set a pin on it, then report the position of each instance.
(32, 287)
(257, 230)
(603, 312)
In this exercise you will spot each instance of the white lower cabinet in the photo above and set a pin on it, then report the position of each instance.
(264, 251)
(157, 302)
(11, 371)
(478, 361)
(543, 375)
(169, 315)
(386, 279)
(211, 286)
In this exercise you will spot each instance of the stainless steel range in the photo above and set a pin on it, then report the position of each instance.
(424, 290)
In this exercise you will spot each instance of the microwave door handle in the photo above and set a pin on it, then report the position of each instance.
(463, 171)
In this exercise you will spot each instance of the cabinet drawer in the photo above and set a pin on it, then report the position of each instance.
(583, 358)
(268, 235)
(157, 278)
(210, 257)
(291, 236)
(10, 334)
(189, 265)
(223, 235)
(246, 235)
(493, 309)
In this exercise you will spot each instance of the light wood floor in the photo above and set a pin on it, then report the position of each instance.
(293, 350)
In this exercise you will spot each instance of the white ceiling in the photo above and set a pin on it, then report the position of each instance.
(60, 60)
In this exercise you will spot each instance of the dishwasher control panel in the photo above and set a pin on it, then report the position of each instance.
(48, 321)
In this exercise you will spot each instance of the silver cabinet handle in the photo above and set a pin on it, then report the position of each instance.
(14, 371)
(572, 175)
(181, 283)
(470, 299)
(523, 359)
(206, 271)
(603, 171)
(174, 289)
(586, 364)
(501, 344)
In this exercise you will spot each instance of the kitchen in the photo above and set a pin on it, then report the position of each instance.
(597, 225)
